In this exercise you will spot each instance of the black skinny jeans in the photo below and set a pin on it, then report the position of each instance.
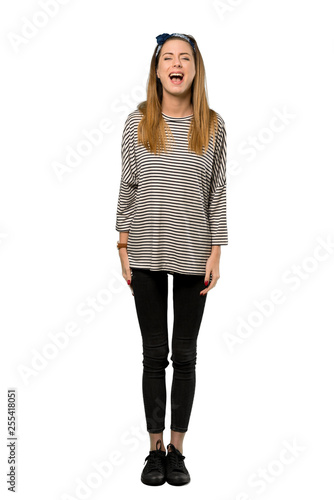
(150, 290)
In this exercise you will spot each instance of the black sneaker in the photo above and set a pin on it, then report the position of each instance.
(176, 471)
(154, 472)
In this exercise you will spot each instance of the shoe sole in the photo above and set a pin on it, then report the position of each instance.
(177, 484)
(152, 484)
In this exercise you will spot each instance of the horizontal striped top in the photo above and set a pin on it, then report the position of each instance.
(174, 204)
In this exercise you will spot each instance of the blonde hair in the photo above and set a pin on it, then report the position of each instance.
(153, 129)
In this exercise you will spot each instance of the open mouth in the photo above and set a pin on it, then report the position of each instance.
(176, 77)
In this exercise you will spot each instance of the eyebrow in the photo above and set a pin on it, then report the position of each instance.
(181, 53)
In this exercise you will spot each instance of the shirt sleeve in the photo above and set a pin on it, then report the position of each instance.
(217, 196)
(129, 179)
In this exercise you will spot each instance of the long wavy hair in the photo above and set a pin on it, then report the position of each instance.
(153, 131)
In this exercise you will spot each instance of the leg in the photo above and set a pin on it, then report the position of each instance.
(154, 437)
(150, 293)
(176, 438)
(188, 313)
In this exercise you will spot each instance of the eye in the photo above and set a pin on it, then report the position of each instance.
(186, 58)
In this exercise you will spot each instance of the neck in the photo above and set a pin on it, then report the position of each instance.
(177, 106)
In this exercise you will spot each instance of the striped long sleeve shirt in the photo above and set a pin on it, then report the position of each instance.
(174, 204)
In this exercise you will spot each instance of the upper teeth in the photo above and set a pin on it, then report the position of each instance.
(176, 74)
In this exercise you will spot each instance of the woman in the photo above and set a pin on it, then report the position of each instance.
(171, 218)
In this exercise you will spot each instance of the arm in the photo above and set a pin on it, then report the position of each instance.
(129, 181)
(217, 210)
(217, 196)
(127, 197)
(123, 237)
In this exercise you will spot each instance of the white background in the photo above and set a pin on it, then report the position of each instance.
(259, 389)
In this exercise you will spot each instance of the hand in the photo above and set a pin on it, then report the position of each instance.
(126, 269)
(212, 270)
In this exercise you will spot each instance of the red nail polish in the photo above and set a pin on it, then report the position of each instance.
(129, 282)
(206, 283)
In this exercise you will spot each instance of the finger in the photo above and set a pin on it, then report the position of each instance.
(206, 282)
(212, 285)
(205, 290)
(201, 292)
(129, 277)
(129, 282)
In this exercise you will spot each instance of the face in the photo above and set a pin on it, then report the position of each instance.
(176, 56)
